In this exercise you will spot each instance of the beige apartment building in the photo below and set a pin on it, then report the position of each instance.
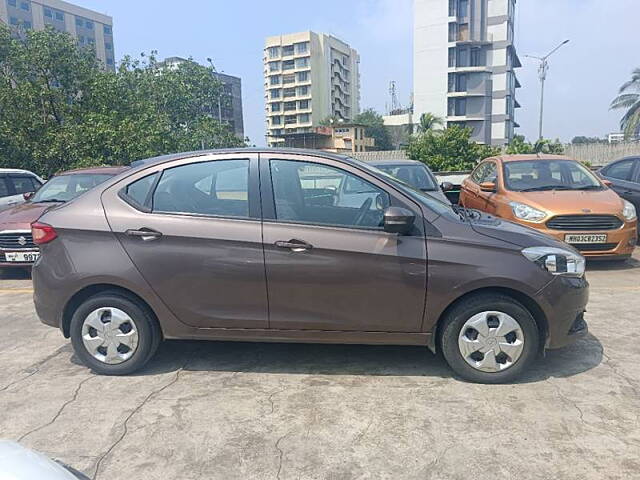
(88, 27)
(308, 77)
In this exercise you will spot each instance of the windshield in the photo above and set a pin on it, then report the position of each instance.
(415, 175)
(540, 175)
(67, 187)
(419, 196)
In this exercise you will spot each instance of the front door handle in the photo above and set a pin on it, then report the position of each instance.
(294, 245)
(146, 234)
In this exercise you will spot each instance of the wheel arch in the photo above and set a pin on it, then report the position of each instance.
(525, 300)
(92, 290)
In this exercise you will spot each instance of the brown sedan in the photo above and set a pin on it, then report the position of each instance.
(556, 196)
(295, 246)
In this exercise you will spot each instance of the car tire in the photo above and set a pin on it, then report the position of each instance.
(523, 339)
(129, 321)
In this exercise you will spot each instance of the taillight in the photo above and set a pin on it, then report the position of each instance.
(42, 233)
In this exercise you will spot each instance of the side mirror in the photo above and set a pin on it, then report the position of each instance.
(488, 187)
(28, 195)
(446, 186)
(607, 183)
(398, 220)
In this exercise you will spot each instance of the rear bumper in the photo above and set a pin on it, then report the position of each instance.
(565, 301)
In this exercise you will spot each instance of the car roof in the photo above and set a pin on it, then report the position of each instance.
(244, 150)
(15, 170)
(530, 157)
(95, 170)
(395, 162)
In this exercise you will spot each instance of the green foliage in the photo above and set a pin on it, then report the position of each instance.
(429, 121)
(581, 140)
(520, 146)
(375, 128)
(61, 110)
(629, 99)
(450, 149)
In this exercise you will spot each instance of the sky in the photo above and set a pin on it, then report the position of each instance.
(584, 75)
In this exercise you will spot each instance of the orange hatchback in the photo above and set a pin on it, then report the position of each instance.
(557, 196)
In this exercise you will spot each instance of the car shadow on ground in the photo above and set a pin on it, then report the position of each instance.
(602, 265)
(317, 359)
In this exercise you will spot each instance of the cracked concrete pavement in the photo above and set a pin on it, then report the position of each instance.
(252, 411)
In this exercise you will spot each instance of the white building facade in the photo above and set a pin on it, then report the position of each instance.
(308, 77)
(464, 65)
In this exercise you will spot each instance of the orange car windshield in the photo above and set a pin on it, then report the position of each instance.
(540, 175)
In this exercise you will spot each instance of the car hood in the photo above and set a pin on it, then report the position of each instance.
(21, 216)
(572, 202)
(513, 233)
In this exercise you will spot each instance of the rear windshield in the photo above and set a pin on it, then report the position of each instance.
(67, 187)
(415, 175)
(540, 175)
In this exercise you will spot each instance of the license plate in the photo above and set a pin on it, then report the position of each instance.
(29, 257)
(578, 239)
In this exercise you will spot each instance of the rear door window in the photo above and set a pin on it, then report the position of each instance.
(621, 170)
(24, 184)
(216, 188)
(4, 187)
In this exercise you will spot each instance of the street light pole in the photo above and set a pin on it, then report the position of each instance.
(542, 74)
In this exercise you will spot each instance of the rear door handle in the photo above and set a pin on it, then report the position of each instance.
(146, 234)
(294, 245)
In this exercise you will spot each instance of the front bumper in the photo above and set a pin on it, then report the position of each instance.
(620, 242)
(564, 302)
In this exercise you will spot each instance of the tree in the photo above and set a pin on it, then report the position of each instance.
(375, 128)
(449, 150)
(582, 140)
(520, 146)
(60, 109)
(629, 99)
(429, 121)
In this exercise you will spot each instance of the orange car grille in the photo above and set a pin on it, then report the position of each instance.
(584, 222)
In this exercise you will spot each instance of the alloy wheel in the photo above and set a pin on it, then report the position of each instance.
(110, 335)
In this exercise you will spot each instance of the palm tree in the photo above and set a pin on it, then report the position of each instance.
(629, 99)
(428, 121)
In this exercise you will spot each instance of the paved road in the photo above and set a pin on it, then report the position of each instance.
(253, 411)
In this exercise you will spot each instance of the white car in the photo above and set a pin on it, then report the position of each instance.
(14, 183)
(20, 463)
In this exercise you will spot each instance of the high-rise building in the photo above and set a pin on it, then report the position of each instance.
(464, 65)
(229, 109)
(89, 27)
(308, 77)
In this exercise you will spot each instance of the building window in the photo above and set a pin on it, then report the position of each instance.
(477, 57)
(453, 31)
(302, 62)
(452, 7)
(457, 107)
(25, 6)
(109, 61)
(463, 32)
(27, 25)
(303, 104)
(287, 79)
(302, 91)
(60, 16)
(81, 39)
(289, 106)
(12, 3)
(287, 50)
(303, 118)
(274, 66)
(108, 30)
(302, 47)
(13, 21)
(274, 80)
(463, 8)
(276, 120)
(79, 22)
(48, 13)
(303, 76)
(452, 57)
(463, 57)
(289, 92)
(108, 46)
(290, 120)
(275, 93)
(276, 107)
(288, 65)
(274, 52)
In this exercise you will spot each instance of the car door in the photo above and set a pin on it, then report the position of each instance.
(623, 174)
(8, 196)
(332, 267)
(193, 230)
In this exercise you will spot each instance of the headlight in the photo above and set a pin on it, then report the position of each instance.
(556, 261)
(525, 212)
(629, 211)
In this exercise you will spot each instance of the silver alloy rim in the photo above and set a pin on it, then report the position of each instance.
(110, 335)
(491, 341)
